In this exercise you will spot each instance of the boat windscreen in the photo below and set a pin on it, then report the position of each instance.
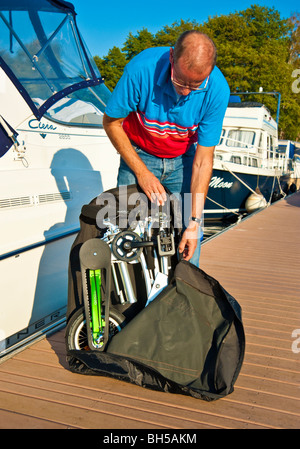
(44, 54)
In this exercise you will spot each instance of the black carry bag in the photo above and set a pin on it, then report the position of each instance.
(121, 207)
(188, 340)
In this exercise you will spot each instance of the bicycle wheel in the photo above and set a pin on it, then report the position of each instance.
(76, 332)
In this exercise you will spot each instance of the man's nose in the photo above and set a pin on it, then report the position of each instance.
(185, 91)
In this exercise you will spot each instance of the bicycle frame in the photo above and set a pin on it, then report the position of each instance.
(97, 322)
(97, 255)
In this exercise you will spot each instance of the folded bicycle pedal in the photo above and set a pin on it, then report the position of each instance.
(166, 245)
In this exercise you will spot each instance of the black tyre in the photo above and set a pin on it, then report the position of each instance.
(76, 332)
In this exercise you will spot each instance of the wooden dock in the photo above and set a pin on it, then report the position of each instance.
(258, 262)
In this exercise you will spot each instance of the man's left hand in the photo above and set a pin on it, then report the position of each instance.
(189, 241)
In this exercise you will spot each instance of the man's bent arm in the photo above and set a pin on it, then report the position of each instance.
(147, 181)
(201, 176)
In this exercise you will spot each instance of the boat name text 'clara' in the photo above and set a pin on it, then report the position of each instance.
(35, 124)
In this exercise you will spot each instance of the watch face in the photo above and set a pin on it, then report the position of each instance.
(197, 220)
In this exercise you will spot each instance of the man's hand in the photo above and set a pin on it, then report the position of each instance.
(189, 241)
(201, 175)
(152, 188)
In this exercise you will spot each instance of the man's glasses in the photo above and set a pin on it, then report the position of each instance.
(192, 88)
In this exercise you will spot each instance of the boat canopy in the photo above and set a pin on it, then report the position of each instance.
(43, 53)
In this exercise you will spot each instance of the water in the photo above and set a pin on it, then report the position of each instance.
(212, 229)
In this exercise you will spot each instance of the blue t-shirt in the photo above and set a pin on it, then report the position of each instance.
(155, 119)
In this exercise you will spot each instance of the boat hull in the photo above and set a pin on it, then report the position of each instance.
(40, 206)
(228, 191)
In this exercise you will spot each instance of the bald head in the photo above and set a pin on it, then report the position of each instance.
(196, 51)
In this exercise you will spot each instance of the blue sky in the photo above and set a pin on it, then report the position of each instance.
(104, 24)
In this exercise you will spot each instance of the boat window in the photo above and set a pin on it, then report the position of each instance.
(282, 149)
(270, 147)
(240, 138)
(261, 142)
(272, 143)
(42, 47)
(218, 157)
(236, 159)
(83, 107)
(250, 161)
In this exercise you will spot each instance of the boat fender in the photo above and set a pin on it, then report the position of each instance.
(276, 196)
(254, 202)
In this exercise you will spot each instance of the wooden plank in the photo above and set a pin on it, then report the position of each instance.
(14, 420)
(216, 410)
(263, 276)
(70, 401)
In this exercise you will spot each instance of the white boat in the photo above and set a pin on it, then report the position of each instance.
(54, 157)
(250, 169)
(292, 150)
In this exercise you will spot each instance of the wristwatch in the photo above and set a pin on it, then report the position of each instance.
(197, 220)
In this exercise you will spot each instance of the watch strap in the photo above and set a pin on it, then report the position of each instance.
(197, 220)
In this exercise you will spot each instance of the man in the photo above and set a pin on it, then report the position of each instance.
(164, 118)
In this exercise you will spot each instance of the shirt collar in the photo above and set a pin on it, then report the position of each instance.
(164, 79)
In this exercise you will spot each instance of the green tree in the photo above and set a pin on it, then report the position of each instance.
(236, 53)
(111, 66)
(170, 33)
(254, 50)
(295, 39)
(266, 23)
(135, 44)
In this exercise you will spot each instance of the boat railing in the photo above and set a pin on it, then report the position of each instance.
(275, 159)
(253, 156)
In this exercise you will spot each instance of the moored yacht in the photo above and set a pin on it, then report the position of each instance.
(54, 157)
(250, 169)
